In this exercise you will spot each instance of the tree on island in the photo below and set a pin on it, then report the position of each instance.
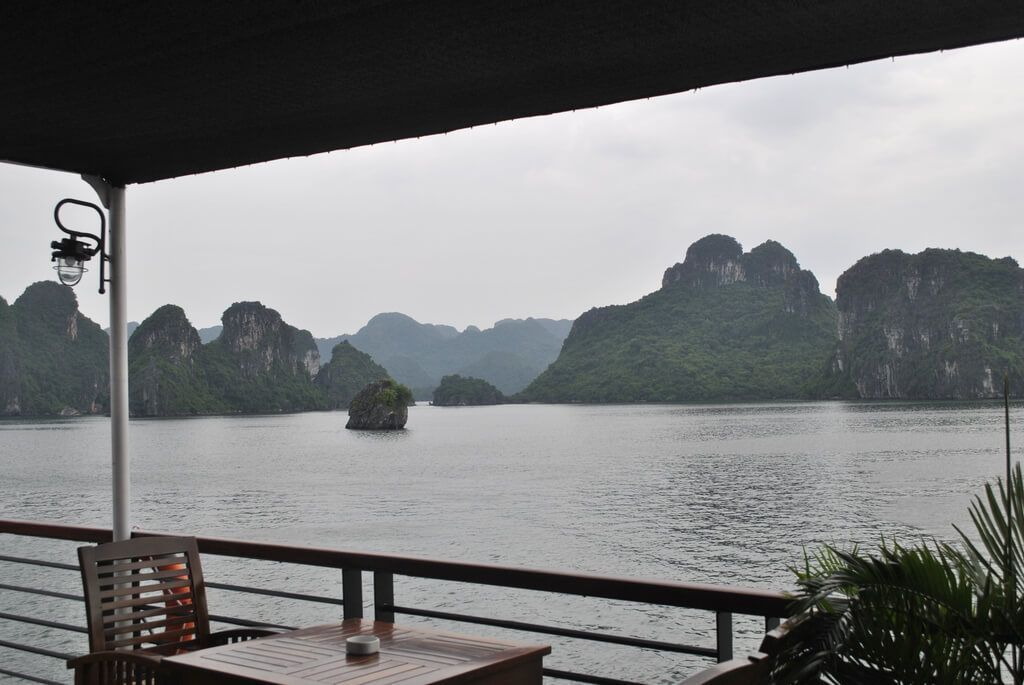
(459, 391)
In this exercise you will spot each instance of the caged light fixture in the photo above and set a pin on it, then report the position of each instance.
(72, 253)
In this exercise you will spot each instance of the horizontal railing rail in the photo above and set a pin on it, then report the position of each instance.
(724, 602)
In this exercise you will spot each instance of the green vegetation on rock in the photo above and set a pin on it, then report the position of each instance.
(459, 391)
(381, 405)
(259, 363)
(167, 368)
(348, 372)
(725, 326)
(53, 359)
(938, 324)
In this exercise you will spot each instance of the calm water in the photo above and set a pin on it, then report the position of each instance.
(725, 494)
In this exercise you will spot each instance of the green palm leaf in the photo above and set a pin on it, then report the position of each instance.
(932, 613)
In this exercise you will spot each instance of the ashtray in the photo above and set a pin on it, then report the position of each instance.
(362, 644)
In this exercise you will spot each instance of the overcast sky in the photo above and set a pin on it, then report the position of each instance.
(553, 215)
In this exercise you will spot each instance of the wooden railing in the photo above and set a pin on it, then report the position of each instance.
(723, 601)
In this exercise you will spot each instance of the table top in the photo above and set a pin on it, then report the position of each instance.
(412, 656)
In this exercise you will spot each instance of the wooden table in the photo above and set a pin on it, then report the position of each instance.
(410, 656)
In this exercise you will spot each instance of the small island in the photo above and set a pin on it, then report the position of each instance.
(459, 391)
(381, 405)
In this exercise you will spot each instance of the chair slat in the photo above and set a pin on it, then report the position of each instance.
(110, 568)
(112, 633)
(112, 618)
(111, 581)
(138, 601)
(138, 590)
(161, 638)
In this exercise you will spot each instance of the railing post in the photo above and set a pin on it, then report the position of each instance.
(723, 630)
(771, 623)
(352, 593)
(383, 596)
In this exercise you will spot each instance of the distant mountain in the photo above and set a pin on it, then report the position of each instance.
(53, 359)
(938, 324)
(557, 327)
(213, 332)
(503, 369)
(508, 355)
(726, 325)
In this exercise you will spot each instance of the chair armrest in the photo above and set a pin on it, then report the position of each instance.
(141, 658)
(774, 639)
(116, 667)
(226, 637)
(751, 670)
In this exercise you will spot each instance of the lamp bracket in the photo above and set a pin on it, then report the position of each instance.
(101, 186)
(84, 250)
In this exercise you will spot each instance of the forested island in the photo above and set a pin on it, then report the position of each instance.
(456, 391)
(726, 325)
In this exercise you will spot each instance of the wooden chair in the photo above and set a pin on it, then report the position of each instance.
(144, 599)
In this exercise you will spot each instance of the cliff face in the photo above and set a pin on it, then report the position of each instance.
(260, 363)
(725, 325)
(717, 260)
(938, 324)
(167, 368)
(348, 372)
(262, 342)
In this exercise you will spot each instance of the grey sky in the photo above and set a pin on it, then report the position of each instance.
(553, 215)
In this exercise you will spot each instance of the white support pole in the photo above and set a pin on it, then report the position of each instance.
(118, 294)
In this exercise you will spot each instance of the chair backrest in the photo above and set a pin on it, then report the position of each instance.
(144, 593)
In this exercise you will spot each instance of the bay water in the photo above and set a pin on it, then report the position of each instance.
(726, 494)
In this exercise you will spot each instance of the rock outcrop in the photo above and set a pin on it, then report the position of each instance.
(53, 359)
(938, 324)
(381, 405)
(167, 368)
(725, 325)
(260, 363)
(346, 374)
(262, 341)
(717, 260)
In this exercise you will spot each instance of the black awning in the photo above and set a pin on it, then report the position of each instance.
(137, 91)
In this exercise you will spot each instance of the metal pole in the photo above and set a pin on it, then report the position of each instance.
(119, 365)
